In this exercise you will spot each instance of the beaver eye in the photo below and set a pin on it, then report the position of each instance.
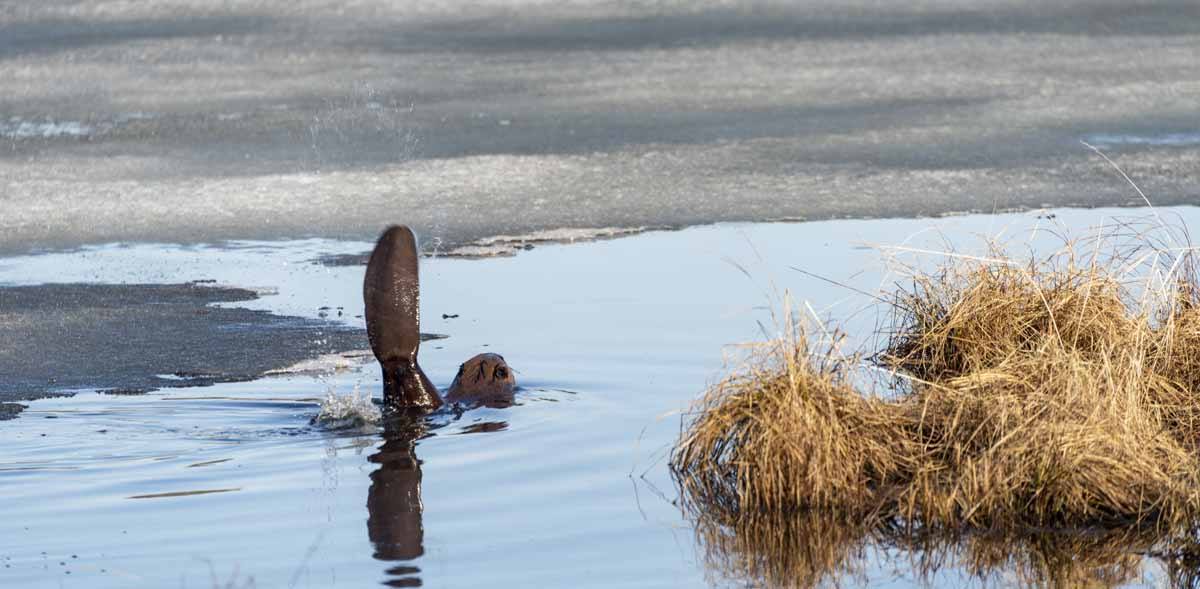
(501, 372)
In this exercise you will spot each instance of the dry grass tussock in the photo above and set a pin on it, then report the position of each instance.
(1058, 392)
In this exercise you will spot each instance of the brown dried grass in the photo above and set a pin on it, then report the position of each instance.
(1052, 393)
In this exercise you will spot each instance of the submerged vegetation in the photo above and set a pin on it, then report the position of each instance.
(1060, 393)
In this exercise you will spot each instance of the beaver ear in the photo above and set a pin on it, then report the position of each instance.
(391, 295)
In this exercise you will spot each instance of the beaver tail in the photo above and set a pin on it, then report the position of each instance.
(391, 296)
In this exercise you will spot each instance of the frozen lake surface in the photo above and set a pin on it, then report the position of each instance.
(192, 121)
(612, 341)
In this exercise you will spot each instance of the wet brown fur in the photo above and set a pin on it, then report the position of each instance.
(391, 296)
(485, 379)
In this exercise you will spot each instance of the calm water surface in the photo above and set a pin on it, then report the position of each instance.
(231, 485)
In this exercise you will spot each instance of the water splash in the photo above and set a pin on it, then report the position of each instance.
(355, 409)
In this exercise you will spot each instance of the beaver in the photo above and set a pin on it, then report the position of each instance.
(486, 380)
(391, 295)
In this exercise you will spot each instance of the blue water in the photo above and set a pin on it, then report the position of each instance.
(231, 486)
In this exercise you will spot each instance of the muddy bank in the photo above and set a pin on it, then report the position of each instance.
(138, 337)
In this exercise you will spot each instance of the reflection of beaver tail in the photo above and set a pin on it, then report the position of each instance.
(394, 502)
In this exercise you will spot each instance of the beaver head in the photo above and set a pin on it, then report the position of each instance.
(485, 379)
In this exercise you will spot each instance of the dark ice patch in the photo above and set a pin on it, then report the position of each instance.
(57, 338)
(10, 410)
